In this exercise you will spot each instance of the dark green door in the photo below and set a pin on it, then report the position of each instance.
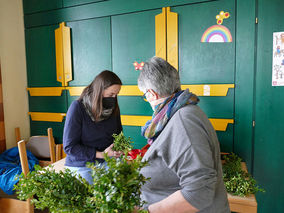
(133, 40)
(41, 72)
(207, 62)
(91, 51)
(269, 113)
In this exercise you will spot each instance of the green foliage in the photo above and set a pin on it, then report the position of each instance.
(237, 181)
(118, 189)
(60, 192)
(121, 143)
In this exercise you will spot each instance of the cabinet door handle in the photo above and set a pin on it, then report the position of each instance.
(63, 54)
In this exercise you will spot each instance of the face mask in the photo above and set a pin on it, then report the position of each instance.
(109, 102)
(156, 102)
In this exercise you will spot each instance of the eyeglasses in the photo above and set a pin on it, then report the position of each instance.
(144, 96)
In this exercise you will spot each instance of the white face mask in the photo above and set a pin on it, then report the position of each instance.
(154, 103)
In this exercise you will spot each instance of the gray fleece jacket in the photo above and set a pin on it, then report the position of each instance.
(186, 157)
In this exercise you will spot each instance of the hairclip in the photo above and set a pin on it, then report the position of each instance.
(138, 66)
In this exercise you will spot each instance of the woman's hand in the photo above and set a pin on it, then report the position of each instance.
(112, 153)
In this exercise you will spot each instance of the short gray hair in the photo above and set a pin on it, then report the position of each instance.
(158, 75)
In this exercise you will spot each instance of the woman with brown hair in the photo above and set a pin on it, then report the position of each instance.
(90, 123)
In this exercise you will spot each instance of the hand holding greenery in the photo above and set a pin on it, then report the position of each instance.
(237, 181)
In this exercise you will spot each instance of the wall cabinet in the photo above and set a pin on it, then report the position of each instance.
(115, 42)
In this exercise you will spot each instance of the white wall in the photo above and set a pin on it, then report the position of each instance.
(13, 68)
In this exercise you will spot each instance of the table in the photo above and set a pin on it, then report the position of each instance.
(237, 204)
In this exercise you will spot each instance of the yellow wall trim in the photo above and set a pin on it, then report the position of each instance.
(172, 38)
(161, 34)
(136, 120)
(63, 54)
(127, 120)
(209, 89)
(133, 90)
(75, 91)
(220, 124)
(47, 116)
(45, 91)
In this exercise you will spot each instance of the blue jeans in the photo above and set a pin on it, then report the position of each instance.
(86, 172)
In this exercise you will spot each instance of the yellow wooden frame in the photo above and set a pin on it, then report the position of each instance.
(45, 91)
(63, 54)
(133, 90)
(166, 34)
(161, 34)
(172, 38)
(136, 120)
(47, 116)
(209, 89)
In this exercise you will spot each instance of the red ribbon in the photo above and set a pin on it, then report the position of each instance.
(135, 152)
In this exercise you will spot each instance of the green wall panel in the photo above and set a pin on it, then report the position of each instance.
(32, 6)
(40, 128)
(218, 107)
(40, 55)
(68, 3)
(244, 90)
(70, 99)
(48, 103)
(214, 107)
(99, 9)
(91, 49)
(133, 39)
(134, 105)
(225, 139)
(134, 132)
(269, 114)
(205, 62)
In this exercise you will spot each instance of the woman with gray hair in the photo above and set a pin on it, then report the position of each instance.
(184, 156)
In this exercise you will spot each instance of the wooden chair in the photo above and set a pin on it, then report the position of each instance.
(10, 205)
(60, 154)
(42, 147)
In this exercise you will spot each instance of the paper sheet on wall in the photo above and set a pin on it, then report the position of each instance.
(278, 59)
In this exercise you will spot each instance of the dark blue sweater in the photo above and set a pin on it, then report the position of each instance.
(82, 137)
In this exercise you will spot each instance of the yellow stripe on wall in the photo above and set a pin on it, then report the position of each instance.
(59, 55)
(45, 91)
(133, 90)
(126, 120)
(75, 91)
(209, 89)
(220, 124)
(47, 116)
(63, 54)
(136, 120)
(161, 34)
(172, 38)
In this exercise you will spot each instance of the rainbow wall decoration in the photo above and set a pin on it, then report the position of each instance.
(217, 33)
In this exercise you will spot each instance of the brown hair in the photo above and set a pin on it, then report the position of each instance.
(93, 93)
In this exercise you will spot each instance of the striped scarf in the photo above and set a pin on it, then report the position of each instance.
(164, 111)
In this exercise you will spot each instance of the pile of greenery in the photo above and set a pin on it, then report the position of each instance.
(118, 189)
(59, 192)
(121, 143)
(237, 181)
(115, 189)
